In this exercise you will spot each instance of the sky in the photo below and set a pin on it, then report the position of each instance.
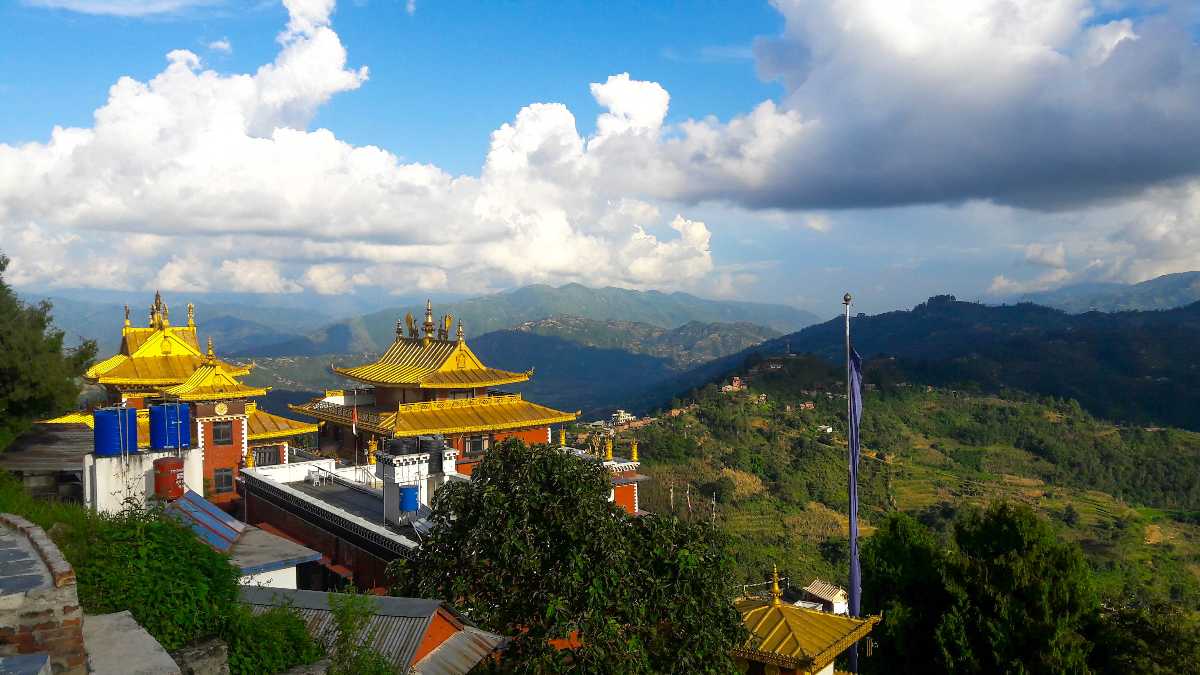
(778, 152)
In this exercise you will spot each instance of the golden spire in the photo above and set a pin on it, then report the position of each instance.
(166, 315)
(461, 335)
(562, 431)
(608, 449)
(633, 457)
(212, 356)
(776, 594)
(372, 446)
(127, 324)
(428, 322)
(191, 315)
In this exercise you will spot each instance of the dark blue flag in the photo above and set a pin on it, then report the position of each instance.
(854, 371)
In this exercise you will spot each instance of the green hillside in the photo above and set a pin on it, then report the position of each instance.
(1128, 495)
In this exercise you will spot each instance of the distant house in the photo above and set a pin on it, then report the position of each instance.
(832, 598)
(622, 417)
(808, 405)
(735, 384)
(413, 634)
(825, 429)
(796, 640)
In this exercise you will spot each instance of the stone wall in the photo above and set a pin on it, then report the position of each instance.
(39, 605)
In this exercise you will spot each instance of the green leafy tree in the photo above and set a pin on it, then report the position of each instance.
(1158, 639)
(352, 653)
(531, 548)
(1008, 597)
(37, 377)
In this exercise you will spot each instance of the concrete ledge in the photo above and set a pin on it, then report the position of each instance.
(60, 570)
(118, 645)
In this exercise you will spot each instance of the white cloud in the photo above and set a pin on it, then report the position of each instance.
(123, 7)
(410, 6)
(1046, 255)
(218, 177)
(223, 45)
(1003, 286)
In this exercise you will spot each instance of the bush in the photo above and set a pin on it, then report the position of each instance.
(271, 642)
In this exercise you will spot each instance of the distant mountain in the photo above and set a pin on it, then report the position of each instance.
(1136, 367)
(1165, 292)
(232, 327)
(373, 332)
(686, 346)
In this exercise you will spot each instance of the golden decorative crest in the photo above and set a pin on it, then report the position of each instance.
(220, 408)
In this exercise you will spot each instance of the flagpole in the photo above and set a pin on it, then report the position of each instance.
(851, 458)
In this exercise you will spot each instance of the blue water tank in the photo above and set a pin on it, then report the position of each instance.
(408, 498)
(170, 426)
(114, 431)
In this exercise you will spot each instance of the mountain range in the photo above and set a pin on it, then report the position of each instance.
(373, 332)
(1132, 367)
(1165, 292)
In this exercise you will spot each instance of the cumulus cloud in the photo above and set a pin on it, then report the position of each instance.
(223, 45)
(1046, 255)
(218, 177)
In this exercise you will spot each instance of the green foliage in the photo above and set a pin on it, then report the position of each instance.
(352, 653)
(271, 642)
(37, 377)
(532, 548)
(1010, 596)
(1159, 639)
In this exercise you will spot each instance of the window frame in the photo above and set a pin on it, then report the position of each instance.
(220, 424)
(218, 488)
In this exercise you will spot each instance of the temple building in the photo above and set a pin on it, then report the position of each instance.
(426, 384)
(164, 363)
(787, 639)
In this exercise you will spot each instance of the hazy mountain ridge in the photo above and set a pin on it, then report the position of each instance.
(374, 331)
(685, 346)
(1166, 292)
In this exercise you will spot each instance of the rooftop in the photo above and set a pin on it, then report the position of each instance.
(49, 446)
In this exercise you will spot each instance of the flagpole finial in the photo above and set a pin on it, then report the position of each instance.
(846, 299)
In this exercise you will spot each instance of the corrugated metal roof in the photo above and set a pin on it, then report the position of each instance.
(459, 653)
(826, 591)
(217, 528)
(398, 627)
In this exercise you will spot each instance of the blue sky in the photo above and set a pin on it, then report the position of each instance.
(807, 147)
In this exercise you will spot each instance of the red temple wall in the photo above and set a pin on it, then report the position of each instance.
(624, 496)
(221, 457)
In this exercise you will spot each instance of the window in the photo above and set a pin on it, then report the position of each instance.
(475, 444)
(266, 456)
(222, 480)
(223, 433)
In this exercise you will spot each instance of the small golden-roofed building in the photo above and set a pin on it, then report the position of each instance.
(163, 363)
(428, 383)
(153, 357)
(785, 639)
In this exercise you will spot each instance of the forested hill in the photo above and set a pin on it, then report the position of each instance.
(1135, 367)
(1165, 292)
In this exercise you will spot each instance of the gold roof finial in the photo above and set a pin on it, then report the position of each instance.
(608, 448)
(166, 315)
(776, 594)
(633, 455)
(412, 324)
(191, 315)
(461, 336)
(212, 356)
(399, 328)
(127, 315)
(562, 431)
(152, 321)
(428, 327)
(447, 324)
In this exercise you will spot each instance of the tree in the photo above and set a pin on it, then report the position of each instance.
(532, 548)
(37, 377)
(1021, 596)
(1156, 639)
(1007, 596)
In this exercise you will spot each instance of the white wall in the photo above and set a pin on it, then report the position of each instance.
(284, 578)
(109, 482)
(295, 471)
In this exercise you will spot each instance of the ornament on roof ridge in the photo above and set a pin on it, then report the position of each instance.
(191, 315)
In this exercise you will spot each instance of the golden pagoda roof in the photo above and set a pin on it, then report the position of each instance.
(84, 418)
(796, 637)
(156, 355)
(212, 382)
(430, 361)
(263, 425)
(451, 416)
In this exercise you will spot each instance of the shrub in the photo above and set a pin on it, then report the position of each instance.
(271, 642)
